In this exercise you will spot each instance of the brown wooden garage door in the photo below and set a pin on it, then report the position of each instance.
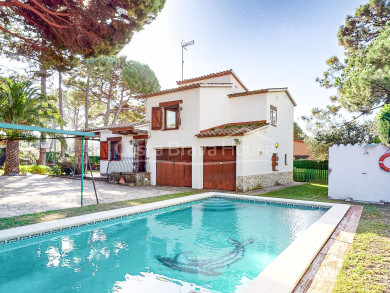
(219, 168)
(174, 167)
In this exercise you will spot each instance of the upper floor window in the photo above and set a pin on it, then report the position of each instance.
(273, 115)
(171, 117)
(166, 116)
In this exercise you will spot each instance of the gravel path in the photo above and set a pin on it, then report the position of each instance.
(21, 195)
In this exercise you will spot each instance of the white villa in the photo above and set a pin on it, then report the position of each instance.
(209, 132)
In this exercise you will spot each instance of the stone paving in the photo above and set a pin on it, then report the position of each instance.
(20, 195)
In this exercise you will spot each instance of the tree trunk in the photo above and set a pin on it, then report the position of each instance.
(108, 109)
(87, 105)
(77, 154)
(118, 110)
(61, 107)
(12, 157)
(42, 151)
(42, 156)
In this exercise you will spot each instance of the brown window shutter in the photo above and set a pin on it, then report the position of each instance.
(120, 151)
(104, 150)
(156, 118)
(274, 162)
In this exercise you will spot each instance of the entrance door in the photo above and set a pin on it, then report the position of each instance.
(174, 167)
(219, 168)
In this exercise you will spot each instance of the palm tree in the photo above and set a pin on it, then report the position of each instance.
(21, 103)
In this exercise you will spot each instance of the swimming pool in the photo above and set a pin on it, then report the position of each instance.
(215, 244)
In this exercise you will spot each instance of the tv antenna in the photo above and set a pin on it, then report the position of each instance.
(184, 46)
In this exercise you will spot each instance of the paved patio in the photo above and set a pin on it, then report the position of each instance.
(21, 195)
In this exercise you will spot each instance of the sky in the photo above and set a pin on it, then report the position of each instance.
(267, 43)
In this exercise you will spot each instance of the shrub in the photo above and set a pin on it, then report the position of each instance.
(34, 169)
(56, 170)
(311, 164)
(29, 154)
(94, 159)
(67, 166)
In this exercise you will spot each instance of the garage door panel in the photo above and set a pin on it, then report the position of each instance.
(174, 167)
(219, 168)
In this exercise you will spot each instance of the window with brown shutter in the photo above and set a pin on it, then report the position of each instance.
(104, 150)
(156, 118)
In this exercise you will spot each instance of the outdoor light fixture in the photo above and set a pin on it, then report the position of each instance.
(236, 141)
(184, 46)
(276, 145)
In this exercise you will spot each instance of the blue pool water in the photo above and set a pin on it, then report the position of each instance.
(213, 245)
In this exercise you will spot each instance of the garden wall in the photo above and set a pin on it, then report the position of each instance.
(354, 173)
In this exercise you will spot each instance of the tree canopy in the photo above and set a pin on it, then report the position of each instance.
(21, 103)
(328, 128)
(363, 79)
(383, 122)
(115, 82)
(298, 132)
(365, 25)
(86, 28)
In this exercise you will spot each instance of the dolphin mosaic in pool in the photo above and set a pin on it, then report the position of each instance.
(207, 267)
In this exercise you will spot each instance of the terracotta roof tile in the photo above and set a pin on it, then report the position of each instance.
(211, 75)
(232, 129)
(262, 91)
(117, 126)
(168, 91)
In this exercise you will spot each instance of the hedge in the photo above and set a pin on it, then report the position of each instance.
(35, 169)
(94, 159)
(311, 164)
(50, 155)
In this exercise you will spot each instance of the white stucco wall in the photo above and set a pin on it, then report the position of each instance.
(354, 173)
(127, 147)
(182, 137)
(214, 106)
(248, 108)
(209, 106)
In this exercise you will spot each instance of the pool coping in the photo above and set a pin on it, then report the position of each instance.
(281, 275)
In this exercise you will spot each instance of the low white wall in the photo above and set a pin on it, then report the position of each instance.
(354, 173)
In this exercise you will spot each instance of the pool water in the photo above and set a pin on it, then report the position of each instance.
(212, 245)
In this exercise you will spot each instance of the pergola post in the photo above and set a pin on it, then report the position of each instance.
(82, 169)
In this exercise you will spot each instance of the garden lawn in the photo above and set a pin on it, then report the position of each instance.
(366, 267)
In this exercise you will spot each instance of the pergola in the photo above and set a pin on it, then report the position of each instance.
(56, 131)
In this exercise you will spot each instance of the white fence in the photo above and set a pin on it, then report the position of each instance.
(354, 173)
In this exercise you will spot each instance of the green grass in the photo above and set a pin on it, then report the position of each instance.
(1, 172)
(313, 192)
(366, 267)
